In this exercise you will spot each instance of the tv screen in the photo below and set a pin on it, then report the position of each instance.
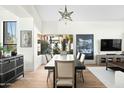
(111, 44)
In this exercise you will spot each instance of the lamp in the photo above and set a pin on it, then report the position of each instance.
(65, 16)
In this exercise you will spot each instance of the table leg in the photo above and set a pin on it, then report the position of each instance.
(53, 78)
(75, 79)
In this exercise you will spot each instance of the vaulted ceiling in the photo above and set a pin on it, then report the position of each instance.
(83, 12)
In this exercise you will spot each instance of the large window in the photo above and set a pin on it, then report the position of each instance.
(9, 35)
(56, 44)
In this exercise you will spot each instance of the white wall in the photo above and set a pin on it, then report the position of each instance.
(37, 58)
(33, 12)
(22, 24)
(37, 28)
(25, 24)
(31, 60)
(100, 29)
(5, 16)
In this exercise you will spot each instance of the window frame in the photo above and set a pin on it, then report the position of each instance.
(4, 32)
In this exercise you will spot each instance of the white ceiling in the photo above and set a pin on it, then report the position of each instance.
(15, 9)
(83, 12)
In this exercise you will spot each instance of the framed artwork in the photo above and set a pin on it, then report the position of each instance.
(85, 44)
(26, 38)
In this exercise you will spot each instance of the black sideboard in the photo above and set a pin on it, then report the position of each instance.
(11, 68)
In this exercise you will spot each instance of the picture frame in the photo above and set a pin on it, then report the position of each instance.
(26, 38)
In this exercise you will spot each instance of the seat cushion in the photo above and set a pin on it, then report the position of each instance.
(64, 82)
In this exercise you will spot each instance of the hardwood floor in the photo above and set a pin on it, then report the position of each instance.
(38, 78)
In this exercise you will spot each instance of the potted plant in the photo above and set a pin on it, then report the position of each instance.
(56, 49)
(64, 45)
(7, 51)
(44, 46)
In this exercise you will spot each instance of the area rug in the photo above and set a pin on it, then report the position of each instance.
(107, 77)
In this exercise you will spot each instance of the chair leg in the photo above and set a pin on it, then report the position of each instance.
(48, 75)
(82, 75)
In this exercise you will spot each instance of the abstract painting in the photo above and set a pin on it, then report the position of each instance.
(84, 44)
(26, 38)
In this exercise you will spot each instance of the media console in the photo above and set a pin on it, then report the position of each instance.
(11, 68)
(102, 59)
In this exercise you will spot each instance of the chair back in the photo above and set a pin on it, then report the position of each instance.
(82, 58)
(78, 55)
(64, 69)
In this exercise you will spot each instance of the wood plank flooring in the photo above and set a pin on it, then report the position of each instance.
(38, 78)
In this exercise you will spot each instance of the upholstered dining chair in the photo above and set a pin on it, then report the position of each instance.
(80, 71)
(78, 55)
(64, 74)
(48, 58)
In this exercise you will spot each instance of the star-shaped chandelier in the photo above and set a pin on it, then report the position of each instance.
(66, 16)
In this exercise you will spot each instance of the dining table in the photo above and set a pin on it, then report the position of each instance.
(68, 57)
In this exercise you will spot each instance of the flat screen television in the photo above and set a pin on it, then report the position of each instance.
(111, 44)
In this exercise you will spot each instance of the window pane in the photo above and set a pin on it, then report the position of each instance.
(9, 28)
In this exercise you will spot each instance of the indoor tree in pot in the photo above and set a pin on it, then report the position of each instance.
(7, 52)
(56, 49)
(64, 47)
(44, 46)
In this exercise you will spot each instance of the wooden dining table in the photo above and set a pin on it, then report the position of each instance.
(69, 57)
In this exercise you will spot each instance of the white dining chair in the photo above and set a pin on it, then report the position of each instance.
(48, 58)
(64, 73)
(78, 55)
(82, 58)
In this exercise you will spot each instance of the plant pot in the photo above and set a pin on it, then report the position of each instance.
(13, 53)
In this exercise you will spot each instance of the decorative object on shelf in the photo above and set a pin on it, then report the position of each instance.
(14, 52)
(66, 16)
(85, 45)
(26, 38)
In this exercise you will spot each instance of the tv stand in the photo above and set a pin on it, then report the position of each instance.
(102, 59)
(111, 54)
